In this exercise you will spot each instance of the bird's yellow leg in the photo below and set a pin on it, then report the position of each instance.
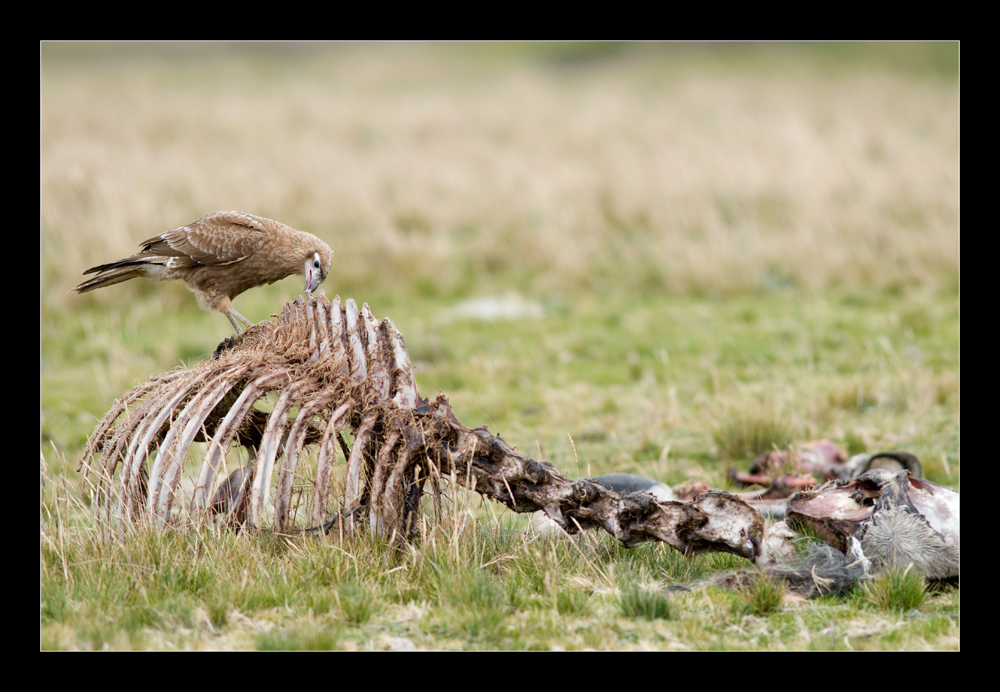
(233, 316)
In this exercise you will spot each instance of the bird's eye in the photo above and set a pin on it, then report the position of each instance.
(315, 264)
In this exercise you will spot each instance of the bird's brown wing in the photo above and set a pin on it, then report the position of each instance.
(221, 238)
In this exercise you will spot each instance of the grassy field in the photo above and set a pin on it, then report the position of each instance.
(703, 250)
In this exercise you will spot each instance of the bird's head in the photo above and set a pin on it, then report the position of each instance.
(317, 265)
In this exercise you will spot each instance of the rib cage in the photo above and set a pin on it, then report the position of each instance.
(346, 371)
(347, 364)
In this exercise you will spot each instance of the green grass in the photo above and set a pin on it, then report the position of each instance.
(189, 590)
(899, 590)
(637, 603)
(750, 431)
(763, 597)
(726, 248)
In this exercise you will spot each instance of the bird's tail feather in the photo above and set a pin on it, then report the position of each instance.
(134, 261)
(114, 275)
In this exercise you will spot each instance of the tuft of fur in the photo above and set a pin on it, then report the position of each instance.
(897, 537)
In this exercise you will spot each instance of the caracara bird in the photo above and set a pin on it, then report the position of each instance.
(221, 255)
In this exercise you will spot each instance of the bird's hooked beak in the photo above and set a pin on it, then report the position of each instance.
(314, 272)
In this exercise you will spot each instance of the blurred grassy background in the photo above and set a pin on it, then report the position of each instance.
(710, 231)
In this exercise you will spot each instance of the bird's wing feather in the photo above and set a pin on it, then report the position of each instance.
(217, 239)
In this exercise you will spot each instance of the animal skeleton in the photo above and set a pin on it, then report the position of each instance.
(347, 372)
